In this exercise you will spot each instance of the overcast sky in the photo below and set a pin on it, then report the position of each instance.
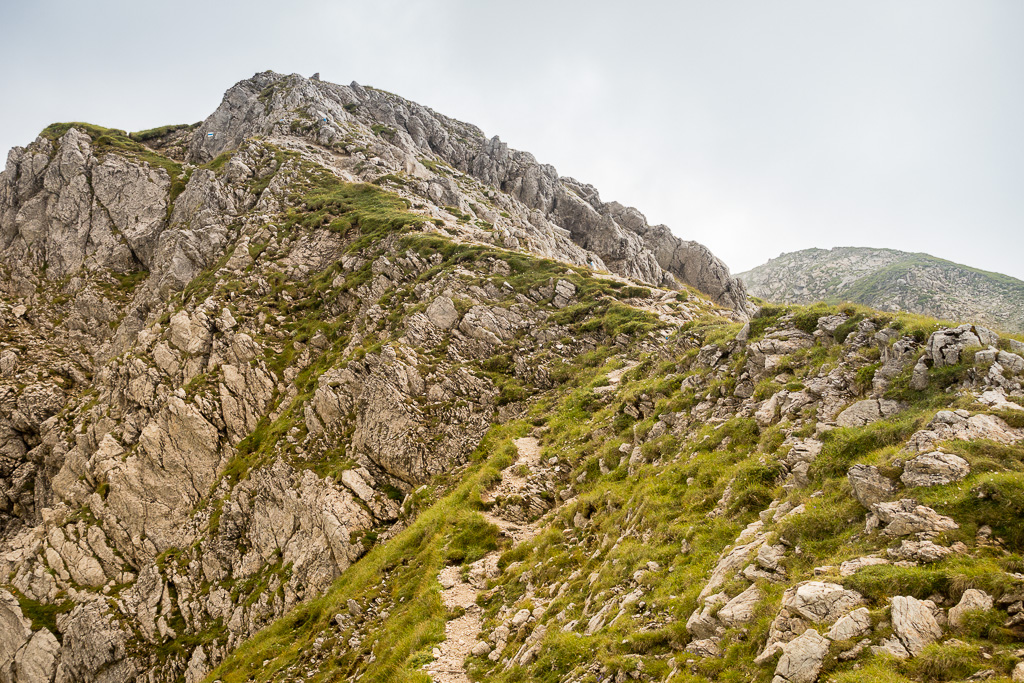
(754, 127)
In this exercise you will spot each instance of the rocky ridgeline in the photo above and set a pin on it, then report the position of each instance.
(891, 280)
(547, 213)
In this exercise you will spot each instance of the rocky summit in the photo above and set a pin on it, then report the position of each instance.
(891, 280)
(331, 387)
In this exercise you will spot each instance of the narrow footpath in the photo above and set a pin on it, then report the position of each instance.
(462, 633)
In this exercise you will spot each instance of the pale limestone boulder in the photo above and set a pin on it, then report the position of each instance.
(972, 600)
(905, 517)
(733, 561)
(919, 551)
(8, 363)
(565, 293)
(853, 625)
(914, 623)
(702, 624)
(442, 313)
(1012, 363)
(740, 610)
(865, 412)
(869, 485)
(704, 647)
(821, 602)
(851, 567)
(802, 658)
(934, 469)
(945, 346)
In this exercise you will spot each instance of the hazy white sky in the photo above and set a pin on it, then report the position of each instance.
(755, 127)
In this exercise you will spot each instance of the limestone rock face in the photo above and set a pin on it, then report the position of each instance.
(578, 224)
(62, 206)
(95, 649)
(15, 629)
(177, 460)
(36, 662)
(234, 379)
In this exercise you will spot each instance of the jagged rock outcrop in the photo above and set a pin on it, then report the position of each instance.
(552, 208)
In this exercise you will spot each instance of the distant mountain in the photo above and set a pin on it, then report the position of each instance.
(891, 280)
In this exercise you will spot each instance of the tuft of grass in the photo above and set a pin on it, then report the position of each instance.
(161, 131)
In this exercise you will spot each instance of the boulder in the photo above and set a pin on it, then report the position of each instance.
(865, 412)
(972, 600)
(851, 567)
(919, 551)
(944, 346)
(1012, 363)
(869, 485)
(8, 363)
(821, 602)
(914, 623)
(934, 469)
(919, 378)
(702, 623)
(521, 617)
(565, 291)
(905, 517)
(704, 647)
(740, 610)
(853, 625)
(801, 658)
(442, 313)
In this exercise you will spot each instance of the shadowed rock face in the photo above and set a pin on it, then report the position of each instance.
(615, 236)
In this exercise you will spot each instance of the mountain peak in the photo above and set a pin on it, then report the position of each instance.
(276, 105)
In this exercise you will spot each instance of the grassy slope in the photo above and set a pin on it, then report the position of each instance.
(661, 509)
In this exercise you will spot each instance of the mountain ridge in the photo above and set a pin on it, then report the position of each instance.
(890, 279)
